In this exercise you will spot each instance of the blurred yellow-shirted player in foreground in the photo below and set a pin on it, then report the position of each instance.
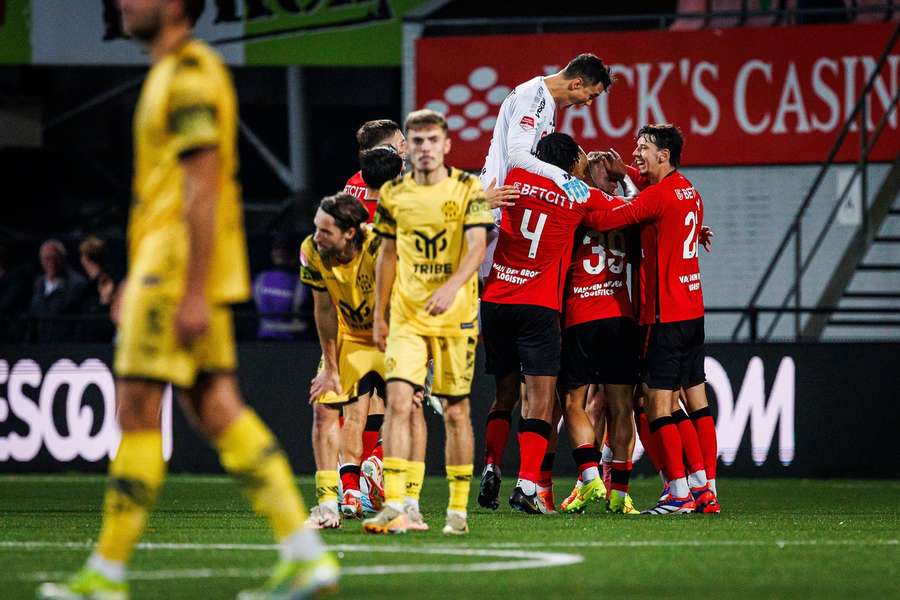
(187, 263)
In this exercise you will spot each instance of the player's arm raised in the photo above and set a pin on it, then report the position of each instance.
(385, 272)
(621, 213)
(476, 242)
(327, 327)
(201, 177)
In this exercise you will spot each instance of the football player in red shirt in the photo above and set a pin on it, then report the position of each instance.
(600, 347)
(371, 134)
(521, 303)
(670, 211)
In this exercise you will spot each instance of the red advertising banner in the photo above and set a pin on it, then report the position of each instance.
(741, 96)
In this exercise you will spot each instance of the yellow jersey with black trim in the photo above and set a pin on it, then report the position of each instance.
(187, 104)
(429, 223)
(351, 286)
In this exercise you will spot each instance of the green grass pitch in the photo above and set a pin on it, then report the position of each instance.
(774, 539)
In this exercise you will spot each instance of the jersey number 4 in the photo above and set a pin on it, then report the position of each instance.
(532, 234)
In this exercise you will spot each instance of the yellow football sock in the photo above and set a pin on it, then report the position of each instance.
(415, 474)
(251, 454)
(135, 477)
(459, 476)
(394, 470)
(326, 486)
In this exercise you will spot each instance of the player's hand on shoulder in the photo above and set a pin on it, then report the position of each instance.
(497, 197)
(328, 380)
(441, 299)
(706, 237)
(191, 318)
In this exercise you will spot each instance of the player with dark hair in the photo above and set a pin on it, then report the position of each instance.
(371, 134)
(670, 211)
(522, 299)
(526, 116)
(187, 265)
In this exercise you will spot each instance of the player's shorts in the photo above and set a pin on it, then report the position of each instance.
(147, 347)
(407, 354)
(361, 370)
(674, 355)
(601, 351)
(520, 338)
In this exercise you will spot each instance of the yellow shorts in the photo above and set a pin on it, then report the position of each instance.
(407, 357)
(361, 369)
(147, 347)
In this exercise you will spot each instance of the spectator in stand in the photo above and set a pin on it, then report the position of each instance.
(57, 293)
(99, 291)
(278, 292)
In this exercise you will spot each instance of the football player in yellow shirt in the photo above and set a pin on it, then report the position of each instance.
(187, 264)
(434, 222)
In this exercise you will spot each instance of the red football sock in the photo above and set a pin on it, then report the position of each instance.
(497, 433)
(669, 442)
(647, 440)
(350, 477)
(545, 479)
(534, 435)
(621, 475)
(378, 450)
(371, 434)
(692, 454)
(706, 434)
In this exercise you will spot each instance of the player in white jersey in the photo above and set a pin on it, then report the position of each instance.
(527, 115)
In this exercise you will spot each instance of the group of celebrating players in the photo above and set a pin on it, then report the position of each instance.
(397, 314)
(562, 333)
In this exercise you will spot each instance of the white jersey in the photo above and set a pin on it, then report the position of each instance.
(526, 116)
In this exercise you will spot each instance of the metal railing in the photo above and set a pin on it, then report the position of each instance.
(795, 231)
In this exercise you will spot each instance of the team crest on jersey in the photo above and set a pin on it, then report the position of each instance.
(430, 246)
(450, 210)
(389, 364)
(364, 283)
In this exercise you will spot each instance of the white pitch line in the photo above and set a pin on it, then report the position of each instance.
(523, 560)
(396, 548)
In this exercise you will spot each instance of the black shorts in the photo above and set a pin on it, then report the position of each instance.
(602, 351)
(520, 338)
(674, 355)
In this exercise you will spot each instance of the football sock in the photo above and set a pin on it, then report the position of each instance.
(585, 456)
(647, 439)
(415, 475)
(135, 476)
(250, 453)
(496, 435)
(621, 475)
(394, 471)
(112, 570)
(693, 457)
(459, 477)
(706, 433)
(371, 434)
(304, 544)
(669, 442)
(350, 477)
(534, 435)
(326, 487)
